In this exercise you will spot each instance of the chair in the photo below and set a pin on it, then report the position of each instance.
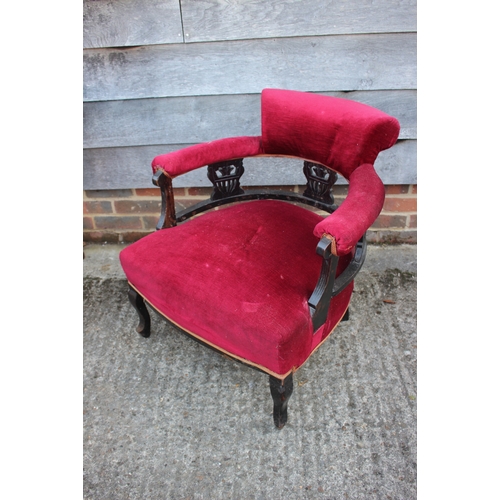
(265, 278)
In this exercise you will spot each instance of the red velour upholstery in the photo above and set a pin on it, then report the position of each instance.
(338, 133)
(357, 212)
(200, 155)
(239, 279)
(341, 134)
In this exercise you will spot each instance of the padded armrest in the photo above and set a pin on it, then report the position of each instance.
(199, 155)
(358, 211)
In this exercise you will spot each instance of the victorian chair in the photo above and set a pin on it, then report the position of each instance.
(266, 280)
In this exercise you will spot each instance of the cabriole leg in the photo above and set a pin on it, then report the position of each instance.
(144, 327)
(281, 390)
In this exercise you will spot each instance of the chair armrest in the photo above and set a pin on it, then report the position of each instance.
(357, 213)
(193, 157)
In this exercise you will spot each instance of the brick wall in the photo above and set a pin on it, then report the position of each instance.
(125, 215)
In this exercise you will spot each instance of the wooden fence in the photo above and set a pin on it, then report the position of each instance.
(163, 74)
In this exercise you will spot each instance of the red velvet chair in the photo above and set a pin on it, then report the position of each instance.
(266, 281)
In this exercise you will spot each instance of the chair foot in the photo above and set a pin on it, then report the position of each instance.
(281, 390)
(144, 327)
(346, 315)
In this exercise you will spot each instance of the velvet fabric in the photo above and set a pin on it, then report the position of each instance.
(340, 134)
(363, 203)
(187, 159)
(241, 287)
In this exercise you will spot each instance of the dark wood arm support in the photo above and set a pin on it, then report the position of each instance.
(328, 285)
(353, 268)
(167, 217)
(319, 301)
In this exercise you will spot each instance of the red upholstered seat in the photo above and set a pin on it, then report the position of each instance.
(239, 279)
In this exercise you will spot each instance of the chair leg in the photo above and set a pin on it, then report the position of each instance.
(346, 315)
(144, 327)
(281, 390)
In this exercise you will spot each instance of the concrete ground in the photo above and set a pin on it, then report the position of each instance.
(166, 418)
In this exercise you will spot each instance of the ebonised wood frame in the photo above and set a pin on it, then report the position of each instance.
(225, 177)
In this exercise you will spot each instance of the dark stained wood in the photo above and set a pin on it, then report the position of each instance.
(319, 182)
(249, 195)
(353, 268)
(281, 390)
(346, 316)
(144, 327)
(319, 302)
(225, 177)
(167, 216)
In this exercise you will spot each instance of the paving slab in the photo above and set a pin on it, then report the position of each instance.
(166, 418)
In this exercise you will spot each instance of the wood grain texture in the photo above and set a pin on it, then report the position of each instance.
(212, 20)
(187, 120)
(130, 167)
(121, 23)
(320, 64)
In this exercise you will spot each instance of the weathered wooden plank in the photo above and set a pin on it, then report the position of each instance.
(186, 120)
(121, 23)
(212, 20)
(320, 64)
(129, 167)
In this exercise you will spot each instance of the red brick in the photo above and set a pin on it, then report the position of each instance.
(150, 222)
(97, 207)
(371, 236)
(413, 221)
(100, 237)
(396, 237)
(120, 223)
(288, 189)
(386, 221)
(131, 236)
(414, 189)
(199, 191)
(137, 206)
(396, 189)
(148, 192)
(109, 193)
(88, 223)
(185, 202)
(400, 205)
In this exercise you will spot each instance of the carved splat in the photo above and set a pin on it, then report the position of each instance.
(225, 176)
(319, 182)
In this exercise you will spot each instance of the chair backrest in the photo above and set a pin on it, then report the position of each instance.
(338, 133)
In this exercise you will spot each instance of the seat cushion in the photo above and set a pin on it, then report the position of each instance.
(239, 279)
